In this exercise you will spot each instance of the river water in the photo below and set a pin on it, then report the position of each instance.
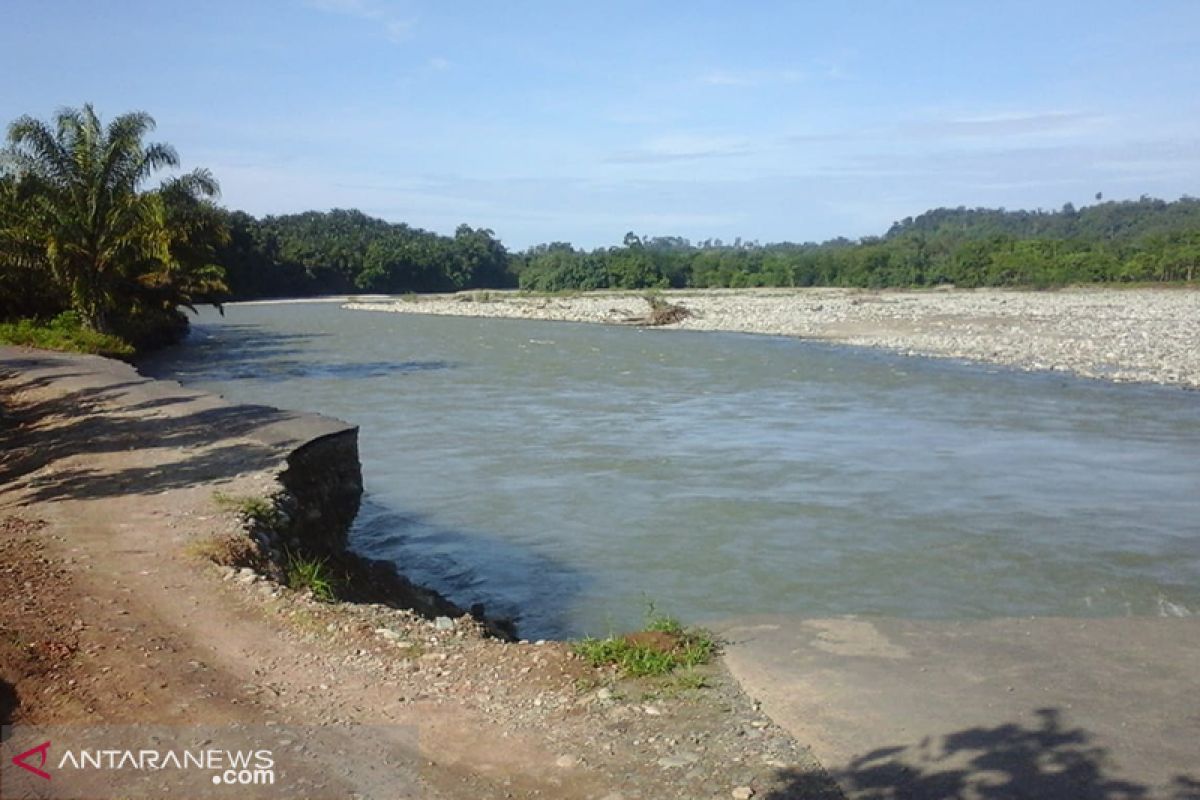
(567, 475)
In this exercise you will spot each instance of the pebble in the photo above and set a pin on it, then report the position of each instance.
(742, 793)
(682, 759)
(388, 634)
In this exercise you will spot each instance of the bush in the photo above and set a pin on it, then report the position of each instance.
(65, 332)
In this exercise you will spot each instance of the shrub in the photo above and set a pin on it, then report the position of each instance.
(65, 332)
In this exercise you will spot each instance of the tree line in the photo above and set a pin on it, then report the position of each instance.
(1132, 241)
(346, 251)
(89, 241)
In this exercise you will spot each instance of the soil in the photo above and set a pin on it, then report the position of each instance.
(114, 614)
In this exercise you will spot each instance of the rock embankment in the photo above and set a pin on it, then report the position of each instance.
(1148, 335)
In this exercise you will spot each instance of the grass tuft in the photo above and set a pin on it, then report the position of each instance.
(258, 511)
(662, 647)
(306, 572)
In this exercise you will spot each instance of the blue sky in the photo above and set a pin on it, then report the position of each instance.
(576, 121)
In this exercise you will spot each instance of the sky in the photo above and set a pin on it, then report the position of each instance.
(580, 121)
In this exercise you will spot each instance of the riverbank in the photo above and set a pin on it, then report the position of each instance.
(1143, 334)
(110, 503)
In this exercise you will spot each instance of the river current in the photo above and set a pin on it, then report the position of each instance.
(568, 475)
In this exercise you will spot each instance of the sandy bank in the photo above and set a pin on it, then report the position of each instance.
(1150, 335)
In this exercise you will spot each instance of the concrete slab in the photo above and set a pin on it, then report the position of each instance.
(1060, 709)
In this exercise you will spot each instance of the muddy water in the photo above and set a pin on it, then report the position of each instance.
(569, 474)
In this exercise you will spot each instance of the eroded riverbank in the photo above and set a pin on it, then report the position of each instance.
(1149, 335)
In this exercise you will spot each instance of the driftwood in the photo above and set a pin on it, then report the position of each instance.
(661, 313)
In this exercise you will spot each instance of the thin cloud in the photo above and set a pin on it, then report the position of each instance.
(394, 27)
(666, 149)
(754, 77)
(1018, 123)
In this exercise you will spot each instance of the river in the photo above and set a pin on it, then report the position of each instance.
(569, 475)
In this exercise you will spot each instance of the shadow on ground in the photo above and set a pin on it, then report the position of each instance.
(1006, 762)
(82, 427)
(8, 706)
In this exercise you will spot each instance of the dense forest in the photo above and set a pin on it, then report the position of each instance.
(347, 251)
(94, 256)
(1141, 240)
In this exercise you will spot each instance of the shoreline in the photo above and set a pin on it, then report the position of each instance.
(110, 504)
(1123, 335)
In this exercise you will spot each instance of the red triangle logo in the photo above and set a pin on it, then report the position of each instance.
(40, 750)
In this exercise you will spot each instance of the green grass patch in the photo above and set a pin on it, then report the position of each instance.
(259, 511)
(66, 332)
(306, 572)
(662, 647)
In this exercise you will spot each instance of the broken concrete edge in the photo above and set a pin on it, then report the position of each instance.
(313, 479)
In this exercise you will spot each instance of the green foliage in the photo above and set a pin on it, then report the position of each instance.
(345, 251)
(257, 511)
(307, 573)
(79, 226)
(664, 646)
(64, 332)
(1137, 241)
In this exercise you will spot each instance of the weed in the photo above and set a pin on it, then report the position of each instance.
(230, 551)
(662, 647)
(257, 511)
(691, 679)
(306, 572)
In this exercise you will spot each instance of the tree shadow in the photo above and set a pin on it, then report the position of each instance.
(1011, 761)
(249, 352)
(213, 465)
(235, 346)
(81, 426)
(8, 707)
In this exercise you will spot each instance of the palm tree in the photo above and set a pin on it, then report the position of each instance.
(117, 248)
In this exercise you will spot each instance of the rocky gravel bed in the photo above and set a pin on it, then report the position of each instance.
(1145, 335)
(650, 738)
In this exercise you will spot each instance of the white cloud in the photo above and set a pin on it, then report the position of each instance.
(681, 147)
(1018, 123)
(394, 26)
(751, 77)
